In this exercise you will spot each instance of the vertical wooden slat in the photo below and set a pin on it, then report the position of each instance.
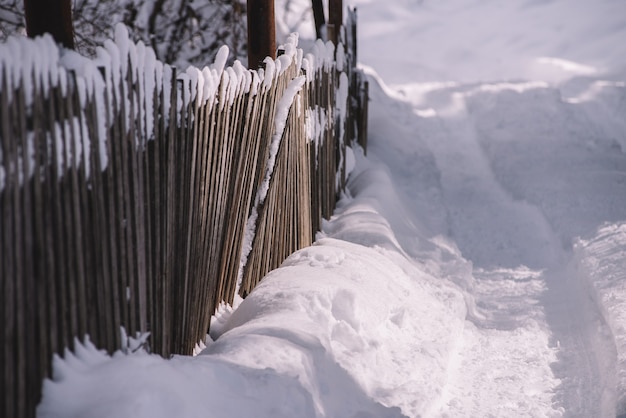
(169, 225)
(184, 149)
(137, 204)
(127, 290)
(121, 143)
(28, 337)
(57, 294)
(101, 319)
(161, 218)
(77, 186)
(140, 209)
(19, 330)
(41, 273)
(211, 178)
(193, 140)
(112, 189)
(6, 304)
(65, 222)
(198, 226)
(105, 177)
(10, 307)
(151, 184)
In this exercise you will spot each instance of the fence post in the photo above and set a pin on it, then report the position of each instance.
(50, 16)
(261, 31)
(318, 16)
(335, 18)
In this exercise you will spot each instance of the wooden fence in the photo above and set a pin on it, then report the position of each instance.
(136, 196)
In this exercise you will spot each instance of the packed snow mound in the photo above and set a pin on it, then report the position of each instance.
(602, 261)
(342, 329)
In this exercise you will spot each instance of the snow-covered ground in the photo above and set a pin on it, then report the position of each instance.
(476, 266)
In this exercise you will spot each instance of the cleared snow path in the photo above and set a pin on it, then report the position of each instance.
(508, 171)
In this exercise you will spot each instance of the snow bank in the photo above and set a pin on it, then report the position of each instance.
(602, 262)
(143, 385)
(347, 327)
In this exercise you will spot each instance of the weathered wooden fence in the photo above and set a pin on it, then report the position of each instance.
(135, 196)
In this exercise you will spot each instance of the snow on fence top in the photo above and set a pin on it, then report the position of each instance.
(34, 67)
(135, 195)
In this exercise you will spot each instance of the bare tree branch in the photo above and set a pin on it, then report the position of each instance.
(182, 32)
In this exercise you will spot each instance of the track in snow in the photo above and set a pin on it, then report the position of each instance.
(538, 345)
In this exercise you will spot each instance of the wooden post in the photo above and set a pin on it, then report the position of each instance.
(335, 18)
(331, 33)
(318, 16)
(352, 17)
(50, 16)
(261, 32)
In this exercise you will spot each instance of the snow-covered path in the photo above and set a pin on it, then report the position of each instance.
(537, 344)
(514, 168)
(520, 169)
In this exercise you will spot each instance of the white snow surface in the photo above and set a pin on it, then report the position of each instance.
(474, 267)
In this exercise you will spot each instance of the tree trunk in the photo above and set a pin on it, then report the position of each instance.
(50, 16)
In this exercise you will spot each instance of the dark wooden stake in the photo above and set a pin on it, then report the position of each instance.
(50, 16)
(318, 15)
(261, 32)
(335, 18)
